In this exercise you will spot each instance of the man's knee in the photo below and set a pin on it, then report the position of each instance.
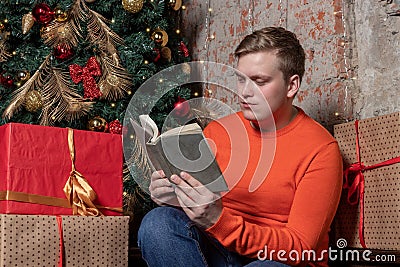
(160, 222)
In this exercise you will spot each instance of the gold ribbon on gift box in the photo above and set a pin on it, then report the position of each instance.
(80, 195)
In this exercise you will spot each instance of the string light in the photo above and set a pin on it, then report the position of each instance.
(206, 42)
(282, 12)
(345, 59)
(251, 16)
(281, 15)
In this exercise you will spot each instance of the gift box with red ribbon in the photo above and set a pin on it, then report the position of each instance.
(369, 211)
(62, 241)
(59, 171)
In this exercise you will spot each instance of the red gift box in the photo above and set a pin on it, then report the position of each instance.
(35, 165)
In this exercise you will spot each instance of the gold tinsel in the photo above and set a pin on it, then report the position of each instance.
(132, 6)
(4, 54)
(33, 101)
(27, 22)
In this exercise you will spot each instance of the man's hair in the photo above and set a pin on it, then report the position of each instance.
(283, 42)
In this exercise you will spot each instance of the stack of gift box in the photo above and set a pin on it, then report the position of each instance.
(61, 197)
(369, 212)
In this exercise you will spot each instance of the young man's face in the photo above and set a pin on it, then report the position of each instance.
(269, 87)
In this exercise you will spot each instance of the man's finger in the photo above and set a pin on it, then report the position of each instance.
(184, 199)
(157, 175)
(199, 187)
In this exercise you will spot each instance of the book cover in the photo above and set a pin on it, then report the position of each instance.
(181, 149)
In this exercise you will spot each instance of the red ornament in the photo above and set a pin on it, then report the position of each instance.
(183, 49)
(181, 107)
(85, 74)
(42, 13)
(158, 56)
(115, 127)
(7, 81)
(63, 52)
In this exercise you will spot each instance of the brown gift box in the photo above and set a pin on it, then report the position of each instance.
(378, 142)
(34, 240)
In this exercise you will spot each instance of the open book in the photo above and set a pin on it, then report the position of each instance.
(181, 149)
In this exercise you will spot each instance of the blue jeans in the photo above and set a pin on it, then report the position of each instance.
(167, 237)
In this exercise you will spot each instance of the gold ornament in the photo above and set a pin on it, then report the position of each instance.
(33, 101)
(27, 22)
(98, 124)
(160, 37)
(44, 31)
(186, 68)
(63, 31)
(166, 53)
(132, 6)
(23, 76)
(60, 15)
(175, 4)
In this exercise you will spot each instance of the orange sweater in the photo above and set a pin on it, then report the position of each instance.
(284, 189)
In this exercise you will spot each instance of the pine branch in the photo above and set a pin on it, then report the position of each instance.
(139, 159)
(98, 31)
(64, 32)
(36, 81)
(60, 99)
(4, 54)
(115, 80)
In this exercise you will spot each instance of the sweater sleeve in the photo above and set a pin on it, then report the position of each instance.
(314, 206)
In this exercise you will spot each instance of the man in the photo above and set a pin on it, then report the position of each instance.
(279, 208)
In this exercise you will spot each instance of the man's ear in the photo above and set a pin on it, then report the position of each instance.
(293, 86)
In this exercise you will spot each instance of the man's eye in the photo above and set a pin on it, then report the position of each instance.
(260, 83)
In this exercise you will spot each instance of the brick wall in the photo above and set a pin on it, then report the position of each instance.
(339, 85)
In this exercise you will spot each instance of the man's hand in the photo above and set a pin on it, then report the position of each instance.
(200, 204)
(162, 190)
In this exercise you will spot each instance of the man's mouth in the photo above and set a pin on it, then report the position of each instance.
(246, 104)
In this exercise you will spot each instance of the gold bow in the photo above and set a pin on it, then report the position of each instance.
(79, 193)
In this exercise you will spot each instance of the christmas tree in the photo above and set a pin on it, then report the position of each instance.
(77, 63)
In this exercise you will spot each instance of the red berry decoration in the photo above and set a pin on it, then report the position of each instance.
(183, 49)
(63, 52)
(115, 127)
(181, 107)
(6, 81)
(42, 13)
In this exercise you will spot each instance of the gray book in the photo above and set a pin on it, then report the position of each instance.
(181, 149)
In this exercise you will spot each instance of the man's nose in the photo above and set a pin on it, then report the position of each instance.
(246, 89)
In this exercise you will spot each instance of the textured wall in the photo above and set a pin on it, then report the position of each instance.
(339, 84)
(377, 40)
